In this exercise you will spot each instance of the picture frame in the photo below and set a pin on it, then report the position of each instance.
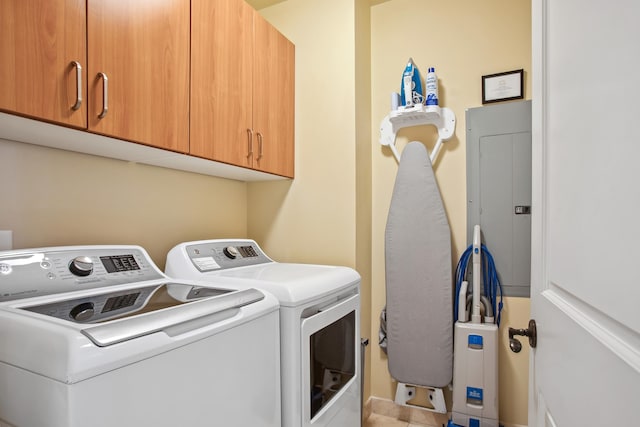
(504, 86)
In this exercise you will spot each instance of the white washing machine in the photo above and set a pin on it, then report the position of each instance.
(99, 336)
(320, 324)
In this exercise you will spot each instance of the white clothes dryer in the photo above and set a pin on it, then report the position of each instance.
(99, 336)
(319, 330)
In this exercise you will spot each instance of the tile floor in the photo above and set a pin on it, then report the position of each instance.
(377, 420)
(385, 413)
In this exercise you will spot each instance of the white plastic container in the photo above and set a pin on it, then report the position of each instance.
(431, 83)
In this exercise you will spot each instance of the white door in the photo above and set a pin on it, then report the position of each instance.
(585, 283)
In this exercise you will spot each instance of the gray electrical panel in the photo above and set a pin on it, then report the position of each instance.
(499, 188)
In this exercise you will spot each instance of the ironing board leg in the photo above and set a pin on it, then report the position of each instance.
(406, 392)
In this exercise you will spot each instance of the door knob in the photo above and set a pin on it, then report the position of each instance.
(530, 332)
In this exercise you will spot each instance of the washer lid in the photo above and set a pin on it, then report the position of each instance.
(71, 352)
(292, 284)
(106, 334)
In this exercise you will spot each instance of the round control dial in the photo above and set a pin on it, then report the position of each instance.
(231, 252)
(81, 266)
(82, 312)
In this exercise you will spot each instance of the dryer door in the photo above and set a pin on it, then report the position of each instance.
(330, 372)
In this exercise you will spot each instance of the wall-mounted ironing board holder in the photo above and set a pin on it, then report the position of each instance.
(442, 118)
(445, 121)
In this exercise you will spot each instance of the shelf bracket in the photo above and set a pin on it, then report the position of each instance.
(442, 118)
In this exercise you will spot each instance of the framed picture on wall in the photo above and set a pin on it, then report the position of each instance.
(503, 86)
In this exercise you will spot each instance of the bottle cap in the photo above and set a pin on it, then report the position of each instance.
(432, 70)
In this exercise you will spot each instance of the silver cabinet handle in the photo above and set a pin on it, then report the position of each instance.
(105, 95)
(250, 140)
(259, 146)
(78, 68)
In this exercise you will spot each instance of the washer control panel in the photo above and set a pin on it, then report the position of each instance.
(222, 254)
(31, 273)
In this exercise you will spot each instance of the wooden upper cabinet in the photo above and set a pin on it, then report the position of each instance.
(242, 88)
(273, 99)
(221, 73)
(210, 78)
(40, 42)
(142, 47)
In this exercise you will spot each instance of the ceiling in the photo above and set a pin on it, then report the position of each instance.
(261, 4)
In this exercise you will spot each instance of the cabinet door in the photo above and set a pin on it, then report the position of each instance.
(39, 42)
(142, 47)
(221, 72)
(273, 100)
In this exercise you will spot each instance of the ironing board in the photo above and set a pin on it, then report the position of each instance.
(418, 276)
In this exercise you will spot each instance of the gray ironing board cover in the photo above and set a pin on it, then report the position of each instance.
(418, 276)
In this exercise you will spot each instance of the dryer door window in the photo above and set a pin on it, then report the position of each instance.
(332, 360)
(330, 352)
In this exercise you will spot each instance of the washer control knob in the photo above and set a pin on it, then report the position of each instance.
(81, 266)
(231, 252)
(82, 312)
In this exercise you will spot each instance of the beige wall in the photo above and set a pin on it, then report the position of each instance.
(463, 39)
(324, 215)
(314, 218)
(53, 197)
(364, 188)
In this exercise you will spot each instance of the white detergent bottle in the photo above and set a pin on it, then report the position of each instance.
(431, 87)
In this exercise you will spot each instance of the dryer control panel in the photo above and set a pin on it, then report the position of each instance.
(223, 254)
(46, 271)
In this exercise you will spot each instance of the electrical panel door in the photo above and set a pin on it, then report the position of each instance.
(499, 188)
